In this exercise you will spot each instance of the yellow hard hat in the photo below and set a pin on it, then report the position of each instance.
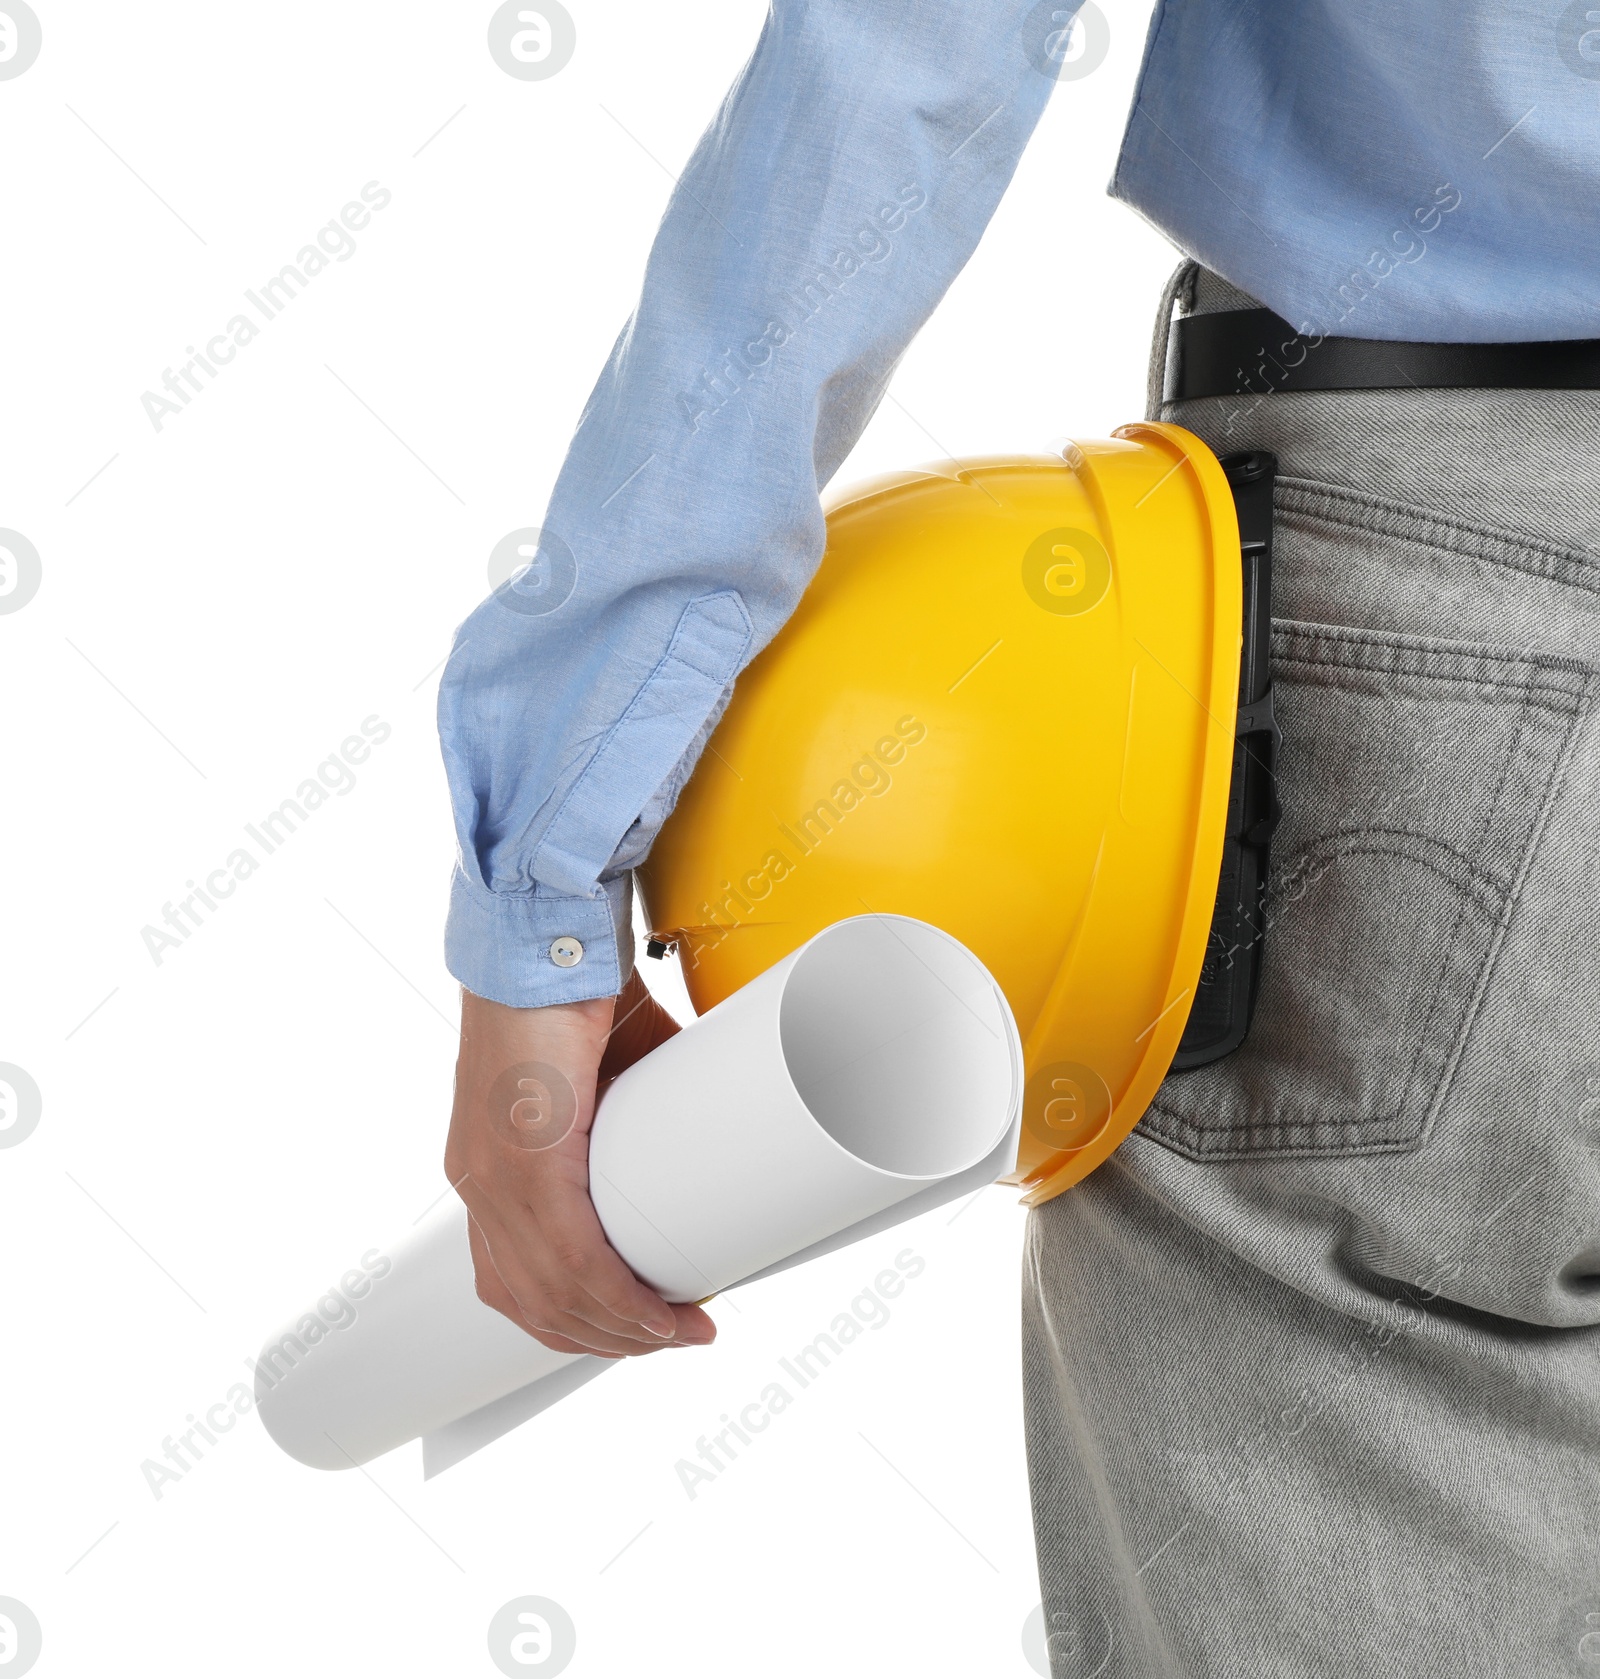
(1006, 705)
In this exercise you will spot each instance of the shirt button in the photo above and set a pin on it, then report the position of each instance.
(566, 953)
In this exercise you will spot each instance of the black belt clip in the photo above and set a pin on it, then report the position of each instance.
(1230, 975)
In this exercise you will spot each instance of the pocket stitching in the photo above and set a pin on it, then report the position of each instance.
(1486, 828)
(1320, 502)
(1362, 1127)
(1478, 883)
(1356, 1136)
(1561, 696)
(1260, 1140)
(1558, 773)
(1389, 648)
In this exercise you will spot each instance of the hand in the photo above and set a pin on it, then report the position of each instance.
(518, 1155)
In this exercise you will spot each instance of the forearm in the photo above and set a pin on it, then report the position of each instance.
(840, 189)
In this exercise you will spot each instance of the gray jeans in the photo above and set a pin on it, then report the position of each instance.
(1313, 1362)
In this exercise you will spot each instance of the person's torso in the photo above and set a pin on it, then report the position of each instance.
(1420, 171)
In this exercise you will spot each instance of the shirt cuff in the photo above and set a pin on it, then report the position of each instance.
(529, 951)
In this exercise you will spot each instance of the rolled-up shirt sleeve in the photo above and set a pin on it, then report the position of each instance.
(844, 182)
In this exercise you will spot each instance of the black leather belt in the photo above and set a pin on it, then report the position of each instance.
(1254, 352)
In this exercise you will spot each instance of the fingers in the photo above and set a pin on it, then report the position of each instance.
(580, 1272)
(543, 1298)
(564, 1280)
(518, 1156)
(550, 1256)
(696, 1326)
(495, 1292)
(576, 1263)
(542, 1225)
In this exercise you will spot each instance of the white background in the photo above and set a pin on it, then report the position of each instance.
(225, 601)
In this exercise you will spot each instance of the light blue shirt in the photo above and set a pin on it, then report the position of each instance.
(1424, 170)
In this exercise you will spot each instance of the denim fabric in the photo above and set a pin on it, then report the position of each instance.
(1313, 1362)
(1418, 171)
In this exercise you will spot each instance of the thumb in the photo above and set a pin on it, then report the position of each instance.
(638, 1024)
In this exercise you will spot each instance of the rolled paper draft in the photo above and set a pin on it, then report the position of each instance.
(875, 1061)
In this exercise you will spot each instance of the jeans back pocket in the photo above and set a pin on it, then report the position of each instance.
(1415, 777)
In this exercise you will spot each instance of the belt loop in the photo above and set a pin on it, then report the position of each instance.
(1179, 291)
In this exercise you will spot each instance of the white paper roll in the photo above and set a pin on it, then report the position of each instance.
(876, 1061)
